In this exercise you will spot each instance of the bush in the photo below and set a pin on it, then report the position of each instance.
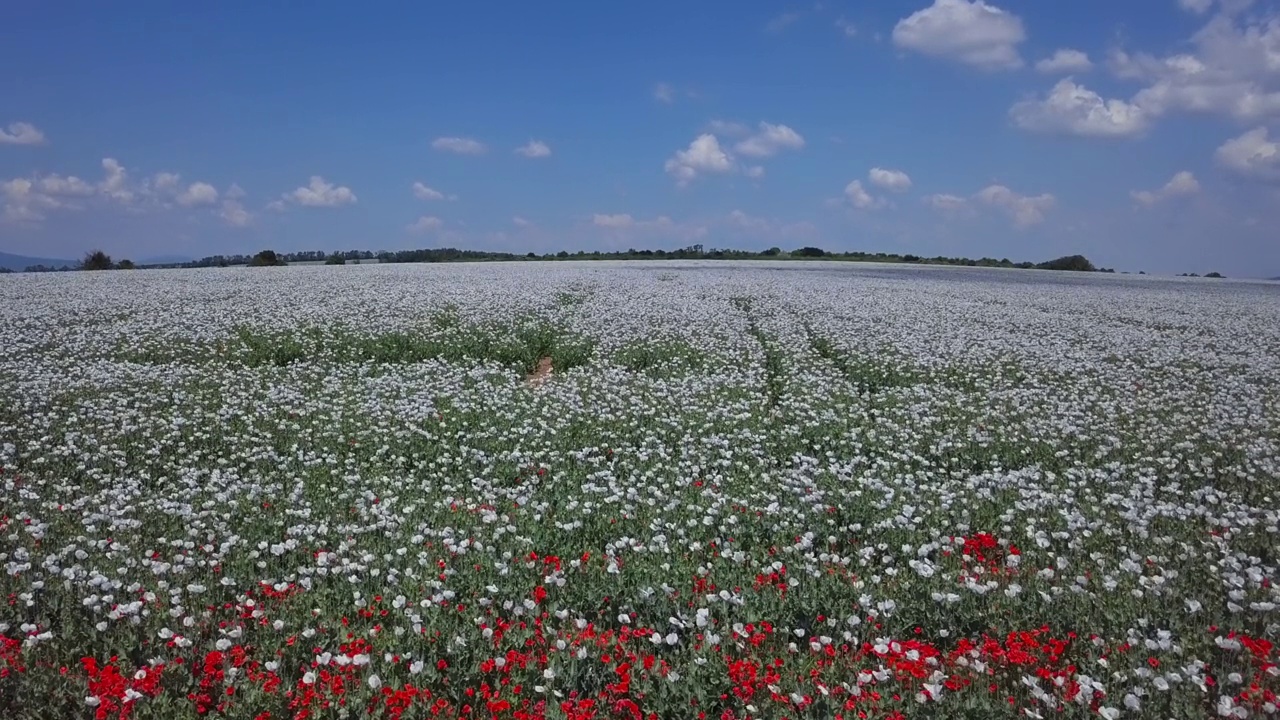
(266, 258)
(126, 264)
(1078, 263)
(96, 260)
(335, 260)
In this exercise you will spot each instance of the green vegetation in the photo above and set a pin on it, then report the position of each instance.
(96, 260)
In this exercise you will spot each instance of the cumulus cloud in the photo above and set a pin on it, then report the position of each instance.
(755, 172)
(534, 149)
(892, 180)
(971, 32)
(199, 193)
(769, 140)
(704, 155)
(1182, 183)
(1198, 7)
(1065, 61)
(1232, 71)
(234, 214)
(21, 133)
(23, 203)
(319, 193)
(115, 184)
(423, 192)
(425, 224)
(1024, 210)
(166, 182)
(67, 186)
(860, 198)
(459, 145)
(946, 202)
(728, 128)
(1251, 155)
(1072, 109)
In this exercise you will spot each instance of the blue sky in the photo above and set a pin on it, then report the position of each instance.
(1143, 134)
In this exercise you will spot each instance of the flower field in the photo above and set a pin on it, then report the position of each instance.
(806, 490)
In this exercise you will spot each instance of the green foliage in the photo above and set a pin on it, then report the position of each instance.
(96, 260)
(809, 252)
(1078, 263)
(335, 259)
(518, 345)
(653, 356)
(266, 258)
(126, 264)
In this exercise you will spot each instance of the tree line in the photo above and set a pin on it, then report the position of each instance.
(99, 260)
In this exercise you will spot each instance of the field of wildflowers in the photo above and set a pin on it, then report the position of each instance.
(742, 492)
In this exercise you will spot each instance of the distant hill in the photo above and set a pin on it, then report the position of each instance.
(21, 262)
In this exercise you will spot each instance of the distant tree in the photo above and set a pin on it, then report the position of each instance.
(266, 258)
(5, 270)
(1214, 275)
(810, 252)
(772, 252)
(531, 255)
(96, 260)
(126, 264)
(335, 259)
(562, 254)
(1077, 263)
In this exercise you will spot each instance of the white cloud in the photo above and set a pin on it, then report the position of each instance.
(521, 222)
(235, 192)
(973, 33)
(621, 220)
(846, 27)
(893, 180)
(755, 172)
(70, 185)
(769, 140)
(115, 184)
(426, 223)
(664, 93)
(703, 155)
(1251, 155)
(1182, 183)
(166, 182)
(321, 194)
(462, 146)
(945, 202)
(1065, 61)
(1234, 70)
(198, 193)
(23, 203)
(860, 198)
(1025, 210)
(422, 192)
(1198, 7)
(21, 133)
(233, 213)
(534, 149)
(1073, 109)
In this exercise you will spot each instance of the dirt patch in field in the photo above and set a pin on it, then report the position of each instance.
(540, 373)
